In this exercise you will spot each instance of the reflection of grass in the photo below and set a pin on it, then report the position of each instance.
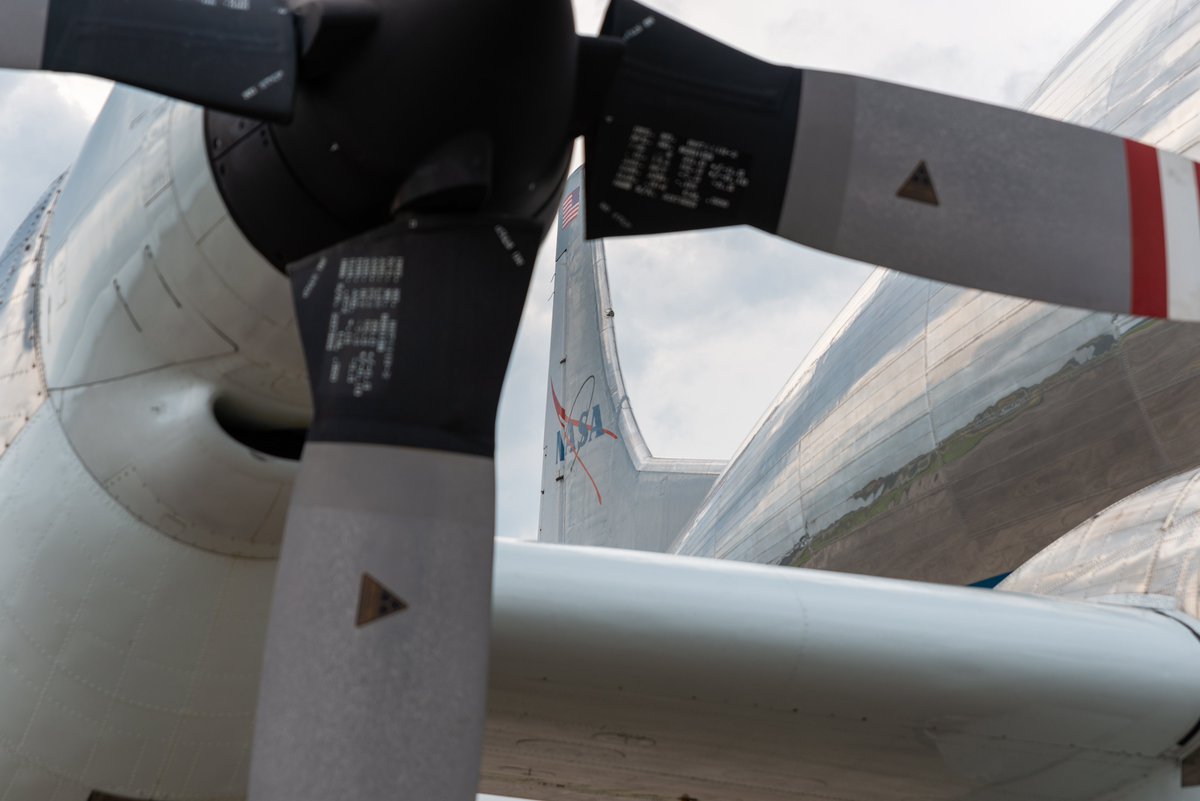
(1141, 327)
(958, 447)
(963, 441)
(847, 523)
(892, 490)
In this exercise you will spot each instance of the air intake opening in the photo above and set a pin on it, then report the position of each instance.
(259, 435)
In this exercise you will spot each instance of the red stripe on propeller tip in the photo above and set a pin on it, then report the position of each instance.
(1147, 231)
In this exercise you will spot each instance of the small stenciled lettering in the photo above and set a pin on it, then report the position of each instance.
(231, 5)
(638, 29)
(266, 83)
(510, 245)
(311, 283)
(684, 172)
(360, 342)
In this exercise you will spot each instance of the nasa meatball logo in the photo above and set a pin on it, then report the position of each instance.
(579, 425)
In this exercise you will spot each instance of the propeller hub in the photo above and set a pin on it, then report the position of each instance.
(446, 106)
(478, 93)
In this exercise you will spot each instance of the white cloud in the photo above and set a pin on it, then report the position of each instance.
(44, 121)
(717, 321)
(86, 95)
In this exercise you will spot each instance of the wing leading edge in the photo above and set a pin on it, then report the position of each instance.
(650, 676)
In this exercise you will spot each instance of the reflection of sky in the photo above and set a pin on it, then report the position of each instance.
(16, 251)
(17, 269)
(711, 325)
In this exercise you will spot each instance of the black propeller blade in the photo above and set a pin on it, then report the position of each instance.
(693, 134)
(235, 55)
(375, 673)
(376, 664)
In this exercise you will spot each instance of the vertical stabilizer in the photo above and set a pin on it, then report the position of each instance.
(600, 484)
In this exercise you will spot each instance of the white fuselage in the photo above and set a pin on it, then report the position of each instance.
(138, 535)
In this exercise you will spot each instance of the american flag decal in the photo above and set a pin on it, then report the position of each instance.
(570, 208)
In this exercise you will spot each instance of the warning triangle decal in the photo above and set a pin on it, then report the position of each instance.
(376, 601)
(919, 186)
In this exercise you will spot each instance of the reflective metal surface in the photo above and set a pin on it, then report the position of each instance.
(949, 435)
(1141, 551)
(21, 387)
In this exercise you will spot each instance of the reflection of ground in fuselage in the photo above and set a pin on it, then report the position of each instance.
(1036, 463)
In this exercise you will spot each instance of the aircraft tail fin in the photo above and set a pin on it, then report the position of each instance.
(600, 483)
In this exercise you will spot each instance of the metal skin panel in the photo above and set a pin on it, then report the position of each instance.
(600, 483)
(949, 435)
(181, 472)
(748, 681)
(22, 390)
(131, 660)
(142, 210)
(155, 312)
(1141, 551)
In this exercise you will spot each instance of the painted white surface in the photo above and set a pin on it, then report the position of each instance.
(154, 308)
(663, 676)
(128, 660)
(144, 267)
(1181, 213)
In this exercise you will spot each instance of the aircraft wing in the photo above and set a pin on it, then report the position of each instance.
(617, 674)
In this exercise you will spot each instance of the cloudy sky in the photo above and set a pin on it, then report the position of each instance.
(709, 325)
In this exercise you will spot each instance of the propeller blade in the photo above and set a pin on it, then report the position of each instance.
(694, 134)
(238, 56)
(375, 674)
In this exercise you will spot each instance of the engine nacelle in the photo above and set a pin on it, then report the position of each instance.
(169, 346)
